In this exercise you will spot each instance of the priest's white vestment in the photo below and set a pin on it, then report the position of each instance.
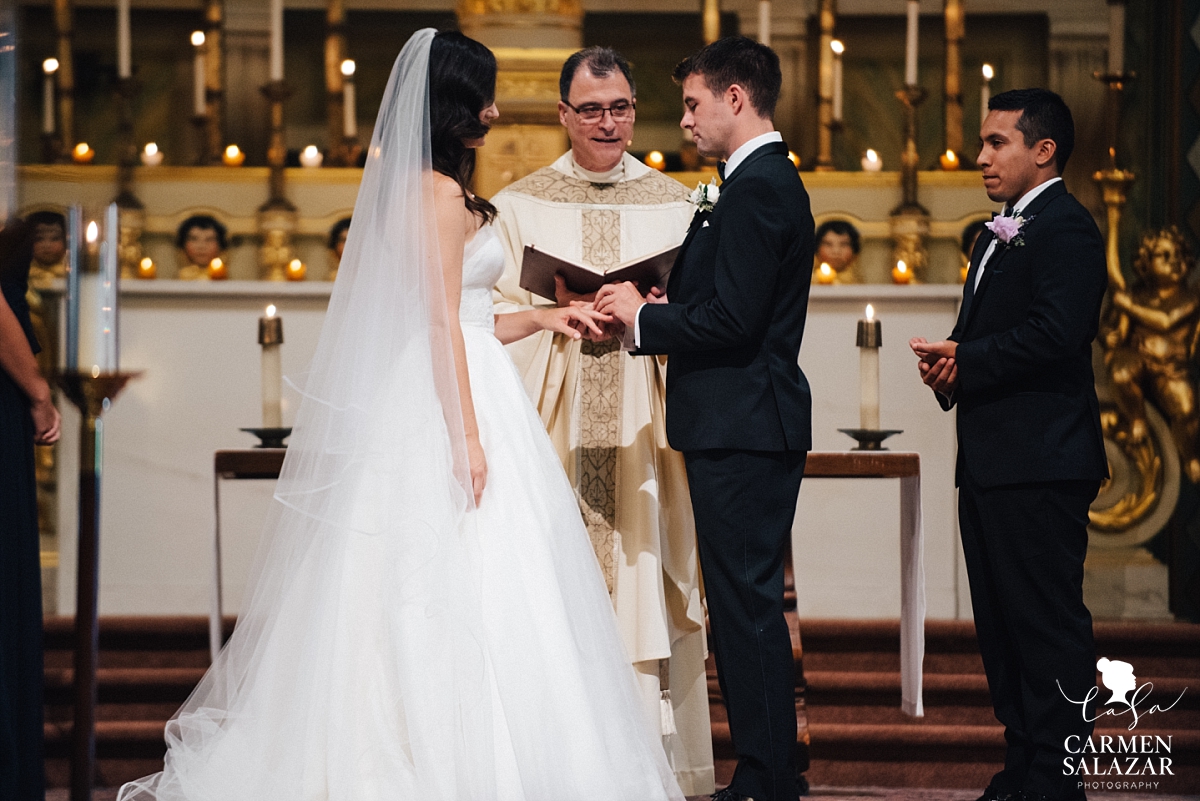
(605, 413)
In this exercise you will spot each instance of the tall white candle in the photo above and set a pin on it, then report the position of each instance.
(1116, 37)
(349, 101)
(910, 50)
(49, 67)
(75, 259)
(199, 102)
(276, 40)
(869, 339)
(764, 22)
(123, 59)
(985, 92)
(108, 300)
(838, 48)
(270, 336)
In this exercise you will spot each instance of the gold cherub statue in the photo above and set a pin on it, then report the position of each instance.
(1150, 339)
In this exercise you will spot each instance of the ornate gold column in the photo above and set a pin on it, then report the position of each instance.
(278, 217)
(214, 81)
(64, 27)
(953, 110)
(711, 20)
(531, 40)
(827, 16)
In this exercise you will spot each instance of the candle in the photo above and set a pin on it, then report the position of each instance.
(795, 159)
(83, 153)
(217, 270)
(825, 274)
(656, 160)
(233, 156)
(311, 157)
(985, 92)
(871, 162)
(1116, 37)
(49, 67)
(270, 336)
(764, 22)
(276, 40)
(949, 160)
(147, 268)
(74, 272)
(901, 274)
(295, 270)
(838, 48)
(108, 311)
(123, 70)
(151, 155)
(910, 50)
(199, 104)
(870, 338)
(349, 110)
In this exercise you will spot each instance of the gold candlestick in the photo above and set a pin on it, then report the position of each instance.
(64, 25)
(92, 394)
(133, 213)
(952, 112)
(909, 221)
(711, 20)
(825, 122)
(277, 218)
(213, 137)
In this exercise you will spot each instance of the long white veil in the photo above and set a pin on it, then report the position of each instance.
(269, 720)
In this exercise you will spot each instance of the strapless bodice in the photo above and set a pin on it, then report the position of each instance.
(483, 264)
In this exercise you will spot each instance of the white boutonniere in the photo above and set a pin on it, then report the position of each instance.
(705, 195)
(1009, 230)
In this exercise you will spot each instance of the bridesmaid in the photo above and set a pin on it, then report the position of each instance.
(27, 416)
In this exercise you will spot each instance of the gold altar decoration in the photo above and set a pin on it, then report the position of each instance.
(523, 23)
(64, 76)
(129, 241)
(278, 217)
(214, 87)
(710, 18)
(909, 222)
(952, 109)
(825, 124)
(133, 213)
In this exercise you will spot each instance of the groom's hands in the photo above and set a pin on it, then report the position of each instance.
(622, 301)
(938, 364)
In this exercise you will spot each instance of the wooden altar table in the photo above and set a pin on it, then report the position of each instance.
(266, 463)
(907, 468)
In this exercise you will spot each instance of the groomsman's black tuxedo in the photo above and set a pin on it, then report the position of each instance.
(1030, 461)
(739, 408)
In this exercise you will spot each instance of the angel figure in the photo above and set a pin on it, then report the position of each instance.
(1150, 341)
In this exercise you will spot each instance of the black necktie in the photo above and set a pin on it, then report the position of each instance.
(721, 170)
(1009, 211)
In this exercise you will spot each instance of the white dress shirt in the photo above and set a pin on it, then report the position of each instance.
(1017, 208)
(732, 163)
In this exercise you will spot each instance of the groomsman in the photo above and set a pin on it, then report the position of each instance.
(738, 406)
(1018, 366)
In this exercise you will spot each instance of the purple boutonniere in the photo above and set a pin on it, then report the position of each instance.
(1009, 230)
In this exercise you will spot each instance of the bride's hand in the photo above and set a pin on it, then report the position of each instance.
(478, 463)
(574, 320)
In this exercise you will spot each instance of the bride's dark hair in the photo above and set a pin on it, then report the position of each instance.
(462, 83)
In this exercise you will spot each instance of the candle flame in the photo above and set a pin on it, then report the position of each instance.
(837, 46)
(151, 148)
(872, 155)
(870, 312)
(348, 67)
(197, 38)
(50, 66)
(95, 371)
(655, 159)
(310, 151)
(988, 72)
(271, 310)
(825, 268)
(901, 266)
(232, 151)
(82, 148)
(93, 232)
(146, 263)
(792, 157)
(950, 157)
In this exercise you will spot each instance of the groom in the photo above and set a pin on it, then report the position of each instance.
(737, 404)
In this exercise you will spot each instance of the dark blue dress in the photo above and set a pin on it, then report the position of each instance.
(21, 765)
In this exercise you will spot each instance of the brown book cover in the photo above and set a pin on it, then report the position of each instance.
(538, 269)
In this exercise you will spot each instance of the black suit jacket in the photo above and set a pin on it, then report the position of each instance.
(738, 301)
(1026, 396)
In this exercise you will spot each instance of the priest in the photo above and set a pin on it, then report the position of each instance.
(604, 409)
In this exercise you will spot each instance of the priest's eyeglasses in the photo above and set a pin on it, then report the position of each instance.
(592, 113)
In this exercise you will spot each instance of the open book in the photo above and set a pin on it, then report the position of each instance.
(538, 269)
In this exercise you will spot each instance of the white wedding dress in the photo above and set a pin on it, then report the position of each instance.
(385, 664)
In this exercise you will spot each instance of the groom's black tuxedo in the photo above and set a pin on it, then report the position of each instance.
(1030, 459)
(739, 408)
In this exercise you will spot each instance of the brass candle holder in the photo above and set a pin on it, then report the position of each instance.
(909, 222)
(133, 212)
(92, 393)
(278, 217)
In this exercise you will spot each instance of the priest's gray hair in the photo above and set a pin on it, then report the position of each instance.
(601, 62)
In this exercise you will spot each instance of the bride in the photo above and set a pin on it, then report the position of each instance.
(428, 621)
